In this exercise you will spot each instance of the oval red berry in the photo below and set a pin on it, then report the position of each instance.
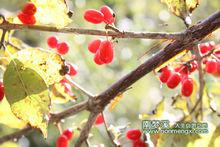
(52, 41)
(109, 16)
(1, 91)
(94, 45)
(68, 133)
(106, 51)
(62, 48)
(26, 19)
(97, 59)
(93, 16)
(62, 141)
(72, 70)
(139, 143)
(187, 87)
(29, 8)
(133, 134)
(164, 75)
(174, 80)
(99, 119)
(211, 66)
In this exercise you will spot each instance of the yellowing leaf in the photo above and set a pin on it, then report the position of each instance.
(115, 102)
(182, 8)
(27, 95)
(9, 144)
(7, 117)
(156, 113)
(175, 140)
(52, 12)
(48, 64)
(59, 95)
(180, 103)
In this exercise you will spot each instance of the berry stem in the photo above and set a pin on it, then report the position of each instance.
(108, 132)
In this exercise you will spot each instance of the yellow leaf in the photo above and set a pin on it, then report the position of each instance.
(46, 63)
(9, 144)
(59, 95)
(181, 103)
(7, 117)
(52, 12)
(156, 113)
(181, 8)
(115, 102)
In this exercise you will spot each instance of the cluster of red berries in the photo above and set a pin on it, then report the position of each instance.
(1, 91)
(172, 77)
(135, 136)
(26, 16)
(103, 50)
(62, 47)
(105, 15)
(99, 119)
(64, 138)
(212, 64)
(179, 75)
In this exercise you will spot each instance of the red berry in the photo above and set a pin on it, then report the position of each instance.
(99, 119)
(29, 8)
(72, 70)
(52, 41)
(139, 143)
(62, 48)
(211, 66)
(26, 19)
(106, 51)
(164, 75)
(218, 67)
(187, 87)
(93, 16)
(205, 47)
(68, 133)
(1, 91)
(97, 59)
(174, 80)
(94, 45)
(62, 141)
(133, 134)
(109, 16)
(193, 66)
(217, 54)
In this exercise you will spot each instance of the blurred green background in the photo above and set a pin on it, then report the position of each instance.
(132, 15)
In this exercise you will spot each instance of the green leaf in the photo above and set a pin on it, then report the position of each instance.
(182, 8)
(46, 63)
(27, 94)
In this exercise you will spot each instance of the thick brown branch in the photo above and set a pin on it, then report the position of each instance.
(124, 34)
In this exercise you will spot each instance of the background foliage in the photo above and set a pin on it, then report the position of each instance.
(138, 15)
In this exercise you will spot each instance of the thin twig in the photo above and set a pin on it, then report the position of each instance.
(108, 132)
(80, 88)
(201, 79)
(82, 31)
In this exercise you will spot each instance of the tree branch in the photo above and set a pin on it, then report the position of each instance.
(82, 31)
